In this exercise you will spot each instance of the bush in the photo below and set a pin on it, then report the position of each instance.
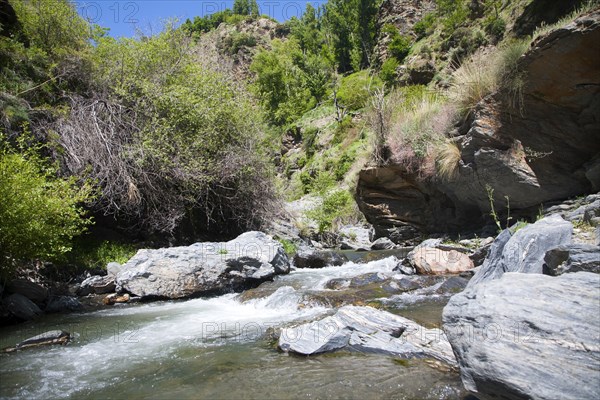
(495, 27)
(39, 213)
(94, 254)
(389, 73)
(355, 89)
(424, 27)
(337, 207)
(236, 41)
(399, 45)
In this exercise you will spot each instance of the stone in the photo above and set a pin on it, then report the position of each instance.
(113, 269)
(44, 339)
(527, 336)
(204, 268)
(383, 244)
(115, 298)
(58, 304)
(97, 285)
(525, 250)
(31, 290)
(453, 285)
(572, 258)
(21, 307)
(355, 238)
(479, 255)
(433, 261)
(366, 329)
(308, 257)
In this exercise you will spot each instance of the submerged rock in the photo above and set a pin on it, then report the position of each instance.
(44, 339)
(572, 258)
(204, 268)
(366, 329)
(525, 250)
(528, 336)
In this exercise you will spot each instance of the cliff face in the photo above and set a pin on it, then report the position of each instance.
(546, 150)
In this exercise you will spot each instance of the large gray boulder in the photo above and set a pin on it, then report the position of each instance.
(309, 257)
(204, 268)
(34, 292)
(528, 336)
(21, 307)
(97, 284)
(366, 329)
(525, 250)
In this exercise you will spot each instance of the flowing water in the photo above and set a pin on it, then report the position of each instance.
(219, 348)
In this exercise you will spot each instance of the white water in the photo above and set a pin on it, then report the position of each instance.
(119, 346)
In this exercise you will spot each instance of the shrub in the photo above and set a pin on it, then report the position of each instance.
(237, 40)
(495, 27)
(424, 27)
(39, 213)
(399, 45)
(355, 89)
(94, 254)
(337, 207)
(389, 72)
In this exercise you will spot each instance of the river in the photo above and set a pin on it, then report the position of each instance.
(220, 348)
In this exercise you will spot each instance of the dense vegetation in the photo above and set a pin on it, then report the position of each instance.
(158, 136)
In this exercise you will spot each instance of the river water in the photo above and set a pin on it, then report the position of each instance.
(219, 348)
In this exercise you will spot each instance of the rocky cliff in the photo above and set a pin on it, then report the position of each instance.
(546, 149)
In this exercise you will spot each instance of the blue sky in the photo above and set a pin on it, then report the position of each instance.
(124, 16)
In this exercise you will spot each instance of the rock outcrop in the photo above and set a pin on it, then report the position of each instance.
(366, 329)
(528, 336)
(572, 258)
(204, 268)
(544, 149)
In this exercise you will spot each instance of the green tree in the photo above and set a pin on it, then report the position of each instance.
(245, 7)
(39, 213)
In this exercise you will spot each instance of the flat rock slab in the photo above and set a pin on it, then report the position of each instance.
(366, 329)
(528, 336)
(204, 268)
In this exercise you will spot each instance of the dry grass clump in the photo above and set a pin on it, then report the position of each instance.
(448, 156)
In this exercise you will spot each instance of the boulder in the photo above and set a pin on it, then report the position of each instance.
(383, 244)
(434, 261)
(525, 250)
(308, 257)
(59, 304)
(115, 298)
(366, 329)
(572, 258)
(97, 285)
(32, 291)
(44, 339)
(355, 238)
(113, 269)
(21, 307)
(528, 336)
(204, 268)
(453, 285)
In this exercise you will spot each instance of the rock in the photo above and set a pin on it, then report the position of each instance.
(572, 258)
(383, 244)
(308, 257)
(44, 339)
(60, 304)
(113, 269)
(355, 238)
(366, 279)
(528, 336)
(366, 329)
(525, 250)
(479, 255)
(97, 284)
(419, 71)
(404, 267)
(533, 153)
(432, 261)
(21, 307)
(204, 268)
(114, 298)
(453, 285)
(32, 291)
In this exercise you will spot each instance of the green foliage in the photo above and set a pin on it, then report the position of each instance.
(453, 13)
(495, 27)
(237, 40)
(288, 81)
(289, 247)
(245, 7)
(95, 254)
(389, 72)
(424, 26)
(39, 213)
(337, 206)
(207, 23)
(399, 45)
(355, 89)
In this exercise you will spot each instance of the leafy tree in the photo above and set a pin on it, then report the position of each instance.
(39, 213)
(245, 7)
